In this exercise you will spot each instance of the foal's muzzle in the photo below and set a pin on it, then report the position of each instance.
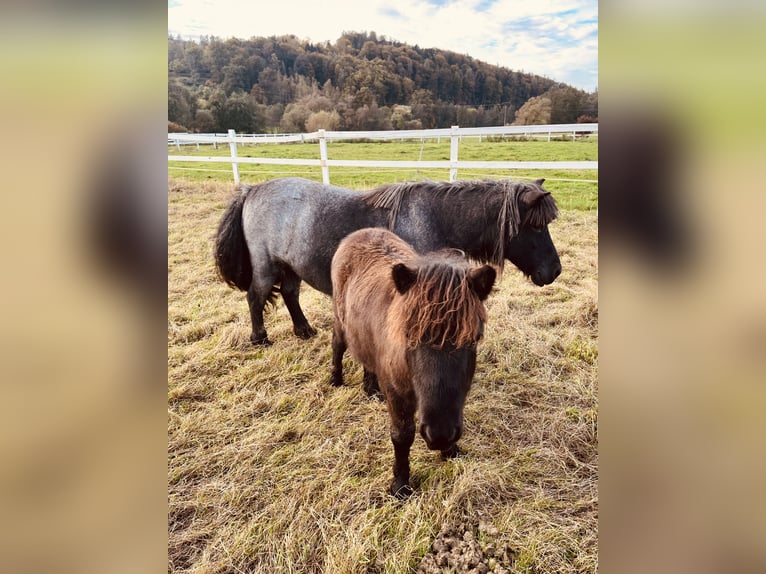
(441, 436)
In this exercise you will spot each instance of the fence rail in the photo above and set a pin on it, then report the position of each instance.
(455, 133)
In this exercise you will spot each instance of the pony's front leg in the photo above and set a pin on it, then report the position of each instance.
(338, 348)
(402, 436)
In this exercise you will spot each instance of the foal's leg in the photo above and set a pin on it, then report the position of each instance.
(370, 384)
(291, 289)
(338, 348)
(402, 413)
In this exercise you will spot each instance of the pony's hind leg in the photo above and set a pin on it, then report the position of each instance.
(256, 302)
(260, 293)
(291, 289)
(370, 385)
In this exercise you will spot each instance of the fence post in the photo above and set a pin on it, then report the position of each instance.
(233, 148)
(323, 157)
(453, 144)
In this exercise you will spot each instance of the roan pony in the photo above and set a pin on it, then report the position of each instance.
(414, 322)
(283, 231)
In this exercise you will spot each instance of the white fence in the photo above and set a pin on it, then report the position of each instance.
(455, 133)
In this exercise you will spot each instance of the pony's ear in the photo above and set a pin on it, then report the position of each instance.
(533, 196)
(404, 277)
(540, 181)
(481, 280)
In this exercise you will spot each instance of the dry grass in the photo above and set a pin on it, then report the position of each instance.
(272, 470)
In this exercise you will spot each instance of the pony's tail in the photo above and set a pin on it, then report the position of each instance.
(231, 254)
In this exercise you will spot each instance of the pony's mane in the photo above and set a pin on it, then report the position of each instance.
(509, 221)
(440, 308)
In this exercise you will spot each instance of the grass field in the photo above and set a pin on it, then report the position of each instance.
(574, 189)
(272, 470)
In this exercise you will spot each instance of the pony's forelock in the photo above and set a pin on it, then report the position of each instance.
(542, 212)
(441, 308)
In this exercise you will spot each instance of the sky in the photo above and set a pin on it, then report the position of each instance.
(553, 38)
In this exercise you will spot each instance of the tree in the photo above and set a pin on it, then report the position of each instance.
(590, 106)
(361, 71)
(323, 120)
(180, 104)
(400, 116)
(467, 116)
(238, 112)
(297, 114)
(422, 105)
(204, 121)
(176, 128)
(294, 118)
(567, 104)
(536, 110)
(372, 118)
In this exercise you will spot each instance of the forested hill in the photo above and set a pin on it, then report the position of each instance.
(362, 81)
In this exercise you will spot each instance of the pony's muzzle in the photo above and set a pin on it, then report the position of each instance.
(546, 277)
(441, 436)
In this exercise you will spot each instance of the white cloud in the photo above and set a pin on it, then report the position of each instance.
(555, 38)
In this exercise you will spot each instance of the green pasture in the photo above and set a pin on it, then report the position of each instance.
(573, 189)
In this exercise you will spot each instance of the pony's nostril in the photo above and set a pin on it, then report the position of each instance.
(441, 437)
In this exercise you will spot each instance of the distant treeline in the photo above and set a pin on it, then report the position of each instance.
(361, 82)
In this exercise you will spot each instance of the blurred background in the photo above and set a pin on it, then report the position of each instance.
(83, 242)
(683, 312)
(682, 344)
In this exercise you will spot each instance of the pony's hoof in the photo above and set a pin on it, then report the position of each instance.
(400, 490)
(370, 385)
(451, 452)
(304, 331)
(336, 381)
(260, 340)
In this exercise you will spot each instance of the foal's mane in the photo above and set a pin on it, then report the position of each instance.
(440, 308)
(509, 220)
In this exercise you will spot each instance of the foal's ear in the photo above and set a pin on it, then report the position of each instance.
(533, 196)
(404, 277)
(481, 280)
(540, 182)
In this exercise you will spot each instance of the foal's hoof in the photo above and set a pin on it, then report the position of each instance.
(451, 452)
(400, 489)
(304, 331)
(336, 381)
(376, 395)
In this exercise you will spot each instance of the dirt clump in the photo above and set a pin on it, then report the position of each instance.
(468, 548)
